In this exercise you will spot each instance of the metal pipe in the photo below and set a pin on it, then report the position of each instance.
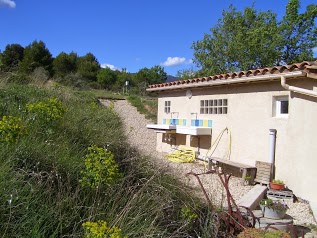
(297, 89)
(198, 145)
(194, 113)
(174, 113)
(272, 146)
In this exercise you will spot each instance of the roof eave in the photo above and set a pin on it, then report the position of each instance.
(244, 79)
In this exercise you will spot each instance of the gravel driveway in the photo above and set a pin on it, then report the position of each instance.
(145, 141)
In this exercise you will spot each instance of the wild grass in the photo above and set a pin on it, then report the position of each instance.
(104, 94)
(41, 195)
(146, 106)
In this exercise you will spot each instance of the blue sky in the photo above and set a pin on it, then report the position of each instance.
(121, 33)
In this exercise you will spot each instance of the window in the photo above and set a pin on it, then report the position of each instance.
(215, 106)
(167, 107)
(280, 106)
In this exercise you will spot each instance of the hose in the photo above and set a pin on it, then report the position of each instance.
(216, 142)
(215, 145)
(183, 155)
(188, 155)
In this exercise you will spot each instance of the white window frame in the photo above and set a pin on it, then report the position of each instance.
(214, 106)
(167, 107)
(277, 106)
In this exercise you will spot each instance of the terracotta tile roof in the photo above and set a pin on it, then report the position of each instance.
(304, 67)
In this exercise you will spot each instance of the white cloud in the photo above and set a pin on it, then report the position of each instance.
(173, 61)
(8, 3)
(110, 66)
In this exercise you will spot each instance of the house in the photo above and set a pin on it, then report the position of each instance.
(252, 105)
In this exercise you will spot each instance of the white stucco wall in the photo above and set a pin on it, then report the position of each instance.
(249, 118)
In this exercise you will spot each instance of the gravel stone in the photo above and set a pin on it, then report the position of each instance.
(145, 141)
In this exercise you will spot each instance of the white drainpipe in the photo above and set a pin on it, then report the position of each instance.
(272, 150)
(297, 89)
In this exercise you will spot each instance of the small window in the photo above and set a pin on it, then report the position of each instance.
(167, 107)
(280, 106)
(216, 106)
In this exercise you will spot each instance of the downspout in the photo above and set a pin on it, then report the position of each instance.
(272, 151)
(297, 89)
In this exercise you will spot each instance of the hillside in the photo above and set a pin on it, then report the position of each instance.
(171, 78)
(65, 165)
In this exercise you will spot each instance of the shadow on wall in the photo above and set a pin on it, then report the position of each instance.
(202, 142)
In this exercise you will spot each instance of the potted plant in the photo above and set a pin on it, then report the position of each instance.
(277, 184)
(273, 209)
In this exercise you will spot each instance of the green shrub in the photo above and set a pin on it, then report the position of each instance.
(11, 128)
(100, 168)
(19, 78)
(188, 214)
(46, 111)
(101, 229)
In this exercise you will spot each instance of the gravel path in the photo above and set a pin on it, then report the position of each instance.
(145, 140)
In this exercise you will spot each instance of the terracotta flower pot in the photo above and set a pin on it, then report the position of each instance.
(277, 186)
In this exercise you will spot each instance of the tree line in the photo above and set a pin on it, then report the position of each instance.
(241, 40)
(73, 70)
(251, 39)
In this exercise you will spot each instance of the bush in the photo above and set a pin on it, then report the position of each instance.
(11, 128)
(100, 229)
(46, 111)
(100, 168)
(19, 78)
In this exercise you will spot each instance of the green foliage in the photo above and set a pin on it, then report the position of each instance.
(105, 94)
(186, 74)
(240, 41)
(157, 75)
(88, 67)
(106, 77)
(1, 61)
(36, 55)
(122, 77)
(100, 229)
(39, 76)
(18, 78)
(11, 128)
(74, 80)
(147, 76)
(299, 33)
(40, 174)
(250, 39)
(64, 64)
(144, 106)
(258, 233)
(275, 205)
(100, 168)
(277, 181)
(46, 111)
(11, 57)
(42, 171)
(188, 214)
